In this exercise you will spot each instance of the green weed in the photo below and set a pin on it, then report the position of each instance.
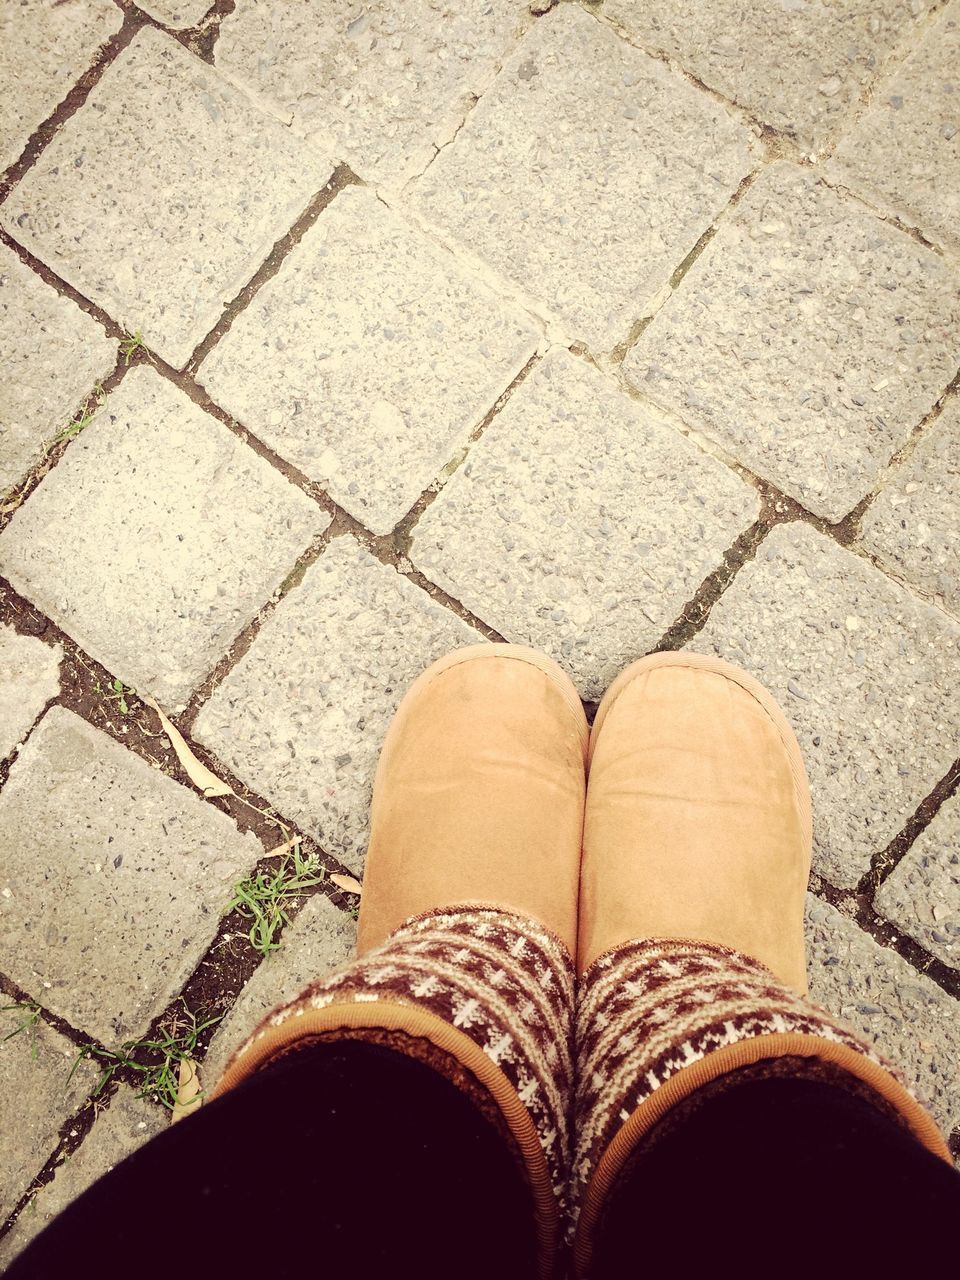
(128, 345)
(264, 897)
(28, 1020)
(116, 691)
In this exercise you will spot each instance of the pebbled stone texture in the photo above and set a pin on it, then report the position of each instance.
(44, 49)
(578, 120)
(142, 868)
(177, 13)
(580, 523)
(29, 678)
(159, 509)
(53, 355)
(302, 715)
(797, 66)
(320, 939)
(809, 338)
(381, 85)
(35, 1099)
(910, 1019)
(922, 894)
(904, 152)
(913, 526)
(867, 674)
(165, 192)
(127, 1124)
(368, 359)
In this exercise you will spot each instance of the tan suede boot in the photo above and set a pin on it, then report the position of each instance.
(697, 839)
(468, 911)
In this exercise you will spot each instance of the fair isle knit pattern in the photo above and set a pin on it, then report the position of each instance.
(502, 979)
(648, 1009)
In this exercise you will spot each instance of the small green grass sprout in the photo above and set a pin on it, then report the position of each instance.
(28, 1018)
(118, 692)
(265, 897)
(130, 344)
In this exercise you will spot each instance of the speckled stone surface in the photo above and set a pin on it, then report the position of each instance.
(914, 1023)
(162, 196)
(161, 510)
(142, 867)
(368, 359)
(44, 49)
(117, 1132)
(914, 524)
(380, 85)
(302, 715)
(904, 152)
(29, 678)
(177, 13)
(35, 1099)
(321, 938)
(922, 894)
(797, 66)
(53, 355)
(868, 675)
(580, 523)
(576, 120)
(809, 338)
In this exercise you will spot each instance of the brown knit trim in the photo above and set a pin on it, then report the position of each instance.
(658, 1021)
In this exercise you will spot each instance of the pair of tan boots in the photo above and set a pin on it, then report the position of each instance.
(588, 928)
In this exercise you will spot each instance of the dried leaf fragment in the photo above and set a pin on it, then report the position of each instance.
(198, 773)
(188, 1092)
(347, 883)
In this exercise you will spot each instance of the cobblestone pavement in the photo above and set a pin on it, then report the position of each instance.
(339, 335)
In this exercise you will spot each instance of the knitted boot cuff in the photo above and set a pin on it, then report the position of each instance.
(659, 1020)
(471, 989)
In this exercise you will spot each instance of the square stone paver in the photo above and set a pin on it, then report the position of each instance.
(912, 1022)
(302, 716)
(161, 511)
(117, 876)
(922, 894)
(162, 196)
(586, 174)
(914, 524)
(35, 1099)
(177, 13)
(29, 678)
(800, 67)
(44, 49)
(380, 85)
(809, 338)
(320, 939)
(905, 150)
(53, 356)
(868, 676)
(580, 523)
(127, 1124)
(368, 359)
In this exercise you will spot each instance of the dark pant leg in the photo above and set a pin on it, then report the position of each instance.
(341, 1160)
(781, 1175)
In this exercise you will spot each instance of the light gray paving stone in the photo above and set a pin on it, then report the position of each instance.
(35, 1099)
(867, 675)
(809, 338)
(117, 1132)
(368, 359)
(913, 526)
(29, 678)
(165, 192)
(161, 511)
(302, 715)
(44, 49)
(380, 85)
(799, 67)
(142, 867)
(177, 13)
(580, 523)
(320, 939)
(905, 150)
(54, 354)
(913, 1023)
(586, 174)
(922, 895)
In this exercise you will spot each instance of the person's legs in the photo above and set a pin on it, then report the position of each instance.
(690, 1020)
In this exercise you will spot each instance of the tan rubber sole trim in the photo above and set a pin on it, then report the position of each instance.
(704, 662)
(731, 1058)
(418, 1023)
